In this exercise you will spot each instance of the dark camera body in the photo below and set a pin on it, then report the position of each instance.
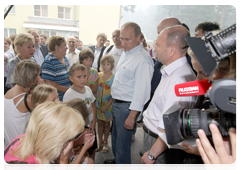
(182, 123)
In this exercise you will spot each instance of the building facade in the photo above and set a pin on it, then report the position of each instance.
(84, 21)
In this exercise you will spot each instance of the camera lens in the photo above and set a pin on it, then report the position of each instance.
(195, 119)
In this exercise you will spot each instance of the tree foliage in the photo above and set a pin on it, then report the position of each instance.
(130, 8)
(149, 17)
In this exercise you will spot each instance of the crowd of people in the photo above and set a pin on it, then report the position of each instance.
(56, 92)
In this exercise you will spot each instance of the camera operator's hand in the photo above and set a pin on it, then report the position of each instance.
(220, 155)
(191, 149)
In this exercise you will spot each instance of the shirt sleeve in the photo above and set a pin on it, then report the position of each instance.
(171, 99)
(10, 70)
(141, 95)
(48, 71)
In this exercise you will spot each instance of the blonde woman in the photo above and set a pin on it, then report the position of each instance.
(49, 136)
(16, 113)
(24, 45)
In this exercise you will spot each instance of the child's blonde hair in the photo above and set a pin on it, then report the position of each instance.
(41, 93)
(80, 106)
(109, 58)
(75, 67)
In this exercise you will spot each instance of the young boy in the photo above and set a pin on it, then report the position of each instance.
(78, 76)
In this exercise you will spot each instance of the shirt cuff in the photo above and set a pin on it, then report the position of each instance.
(191, 141)
(136, 106)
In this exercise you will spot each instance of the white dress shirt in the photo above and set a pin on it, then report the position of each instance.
(96, 57)
(116, 53)
(164, 97)
(133, 77)
(38, 56)
(72, 57)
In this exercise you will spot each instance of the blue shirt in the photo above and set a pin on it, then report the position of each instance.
(133, 77)
(54, 70)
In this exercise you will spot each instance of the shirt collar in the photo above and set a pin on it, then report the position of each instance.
(169, 69)
(134, 49)
(117, 51)
(68, 51)
(98, 48)
(39, 46)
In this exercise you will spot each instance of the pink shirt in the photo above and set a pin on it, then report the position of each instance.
(8, 157)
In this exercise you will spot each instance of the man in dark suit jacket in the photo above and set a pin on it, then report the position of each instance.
(41, 51)
(98, 50)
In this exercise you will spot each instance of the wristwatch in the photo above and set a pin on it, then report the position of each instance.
(150, 156)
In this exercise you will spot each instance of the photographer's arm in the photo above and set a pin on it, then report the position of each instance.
(191, 149)
(158, 147)
(221, 155)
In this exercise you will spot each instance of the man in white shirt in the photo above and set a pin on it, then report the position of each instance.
(98, 50)
(116, 49)
(41, 51)
(171, 49)
(72, 53)
(130, 90)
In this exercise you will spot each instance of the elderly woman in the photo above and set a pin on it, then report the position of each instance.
(24, 45)
(26, 75)
(49, 135)
(55, 66)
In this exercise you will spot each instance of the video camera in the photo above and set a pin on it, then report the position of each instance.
(181, 123)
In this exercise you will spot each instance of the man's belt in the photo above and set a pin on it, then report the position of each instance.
(120, 101)
(149, 132)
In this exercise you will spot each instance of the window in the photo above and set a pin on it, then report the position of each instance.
(9, 31)
(41, 10)
(12, 11)
(47, 32)
(64, 12)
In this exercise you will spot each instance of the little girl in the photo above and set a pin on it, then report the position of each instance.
(80, 154)
(86, 57)
(104, 101)
(43, 93)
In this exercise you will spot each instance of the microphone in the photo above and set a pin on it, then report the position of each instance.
(192, 88)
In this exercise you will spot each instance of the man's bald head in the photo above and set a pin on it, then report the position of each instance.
(175, 35)
(167, 22)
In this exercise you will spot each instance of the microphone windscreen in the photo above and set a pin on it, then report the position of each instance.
(192, 88)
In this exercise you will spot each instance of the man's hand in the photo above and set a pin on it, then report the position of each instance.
(220, 154)
(129, 123)
(146, 160)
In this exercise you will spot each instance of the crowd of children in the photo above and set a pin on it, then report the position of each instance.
(89, 96)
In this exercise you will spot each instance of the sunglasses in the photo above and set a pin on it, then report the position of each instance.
(77, 136)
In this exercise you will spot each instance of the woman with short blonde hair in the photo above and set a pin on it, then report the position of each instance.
(17, 105)
(24, 45)
(52, 127)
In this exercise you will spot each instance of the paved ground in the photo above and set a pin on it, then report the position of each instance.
(137, 145)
